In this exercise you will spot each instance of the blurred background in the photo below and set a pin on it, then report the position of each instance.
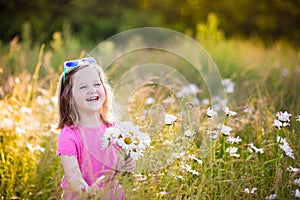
(255, 45)
(95, 20)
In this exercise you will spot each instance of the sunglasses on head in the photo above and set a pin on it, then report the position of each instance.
(71, 64)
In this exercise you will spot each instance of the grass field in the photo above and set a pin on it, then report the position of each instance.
(260, 166)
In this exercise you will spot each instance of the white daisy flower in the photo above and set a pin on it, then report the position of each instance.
(233, 140)
(233, 152)
(229, 112)
(205, 102)
(140, 177)
(225, 130)
(292, 169)
(35, 148)
(298, 118)
(149, 101)
(284, 124)
(284, 145)
(284, 117)
(297, 193)
(189, 133)
(128, 136)
(163, 193)
(213, 134)
(272, 196)
(255, 149)
(210, 112)
(277, 123)
(169, 119)
(252, 191)
(228, 85)
(188, 168)
(177, 177)
(186, 90)
(297, 181)
(193, 157)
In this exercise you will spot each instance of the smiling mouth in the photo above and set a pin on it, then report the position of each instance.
(93, 99)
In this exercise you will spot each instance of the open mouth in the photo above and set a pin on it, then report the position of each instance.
(96, 98)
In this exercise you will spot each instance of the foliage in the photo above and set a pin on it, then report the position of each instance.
(96, 20)
(267, 81)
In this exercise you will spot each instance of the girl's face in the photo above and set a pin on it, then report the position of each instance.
(88, 91)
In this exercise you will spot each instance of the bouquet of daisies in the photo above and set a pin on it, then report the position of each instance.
(128, 137)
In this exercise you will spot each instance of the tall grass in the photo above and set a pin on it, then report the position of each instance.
(267, 81)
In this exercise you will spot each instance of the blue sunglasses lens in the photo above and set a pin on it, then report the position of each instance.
(75, 63)
(71, 63)
(90, 60)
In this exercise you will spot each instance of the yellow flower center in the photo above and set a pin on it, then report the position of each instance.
(136, 141)
(128, 140)
(131, 133)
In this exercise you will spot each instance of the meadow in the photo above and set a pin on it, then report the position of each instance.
(257, 158)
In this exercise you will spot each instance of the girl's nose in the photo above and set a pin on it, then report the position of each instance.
(92, 89)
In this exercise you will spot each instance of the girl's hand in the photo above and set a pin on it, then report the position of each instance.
(127, 165)
(94, 189)
(130, 165)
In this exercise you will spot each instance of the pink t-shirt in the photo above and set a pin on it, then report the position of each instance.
(85, 143)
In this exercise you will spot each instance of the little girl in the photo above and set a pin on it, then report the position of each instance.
(84, 103)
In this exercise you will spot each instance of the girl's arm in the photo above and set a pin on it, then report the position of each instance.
(73, 173)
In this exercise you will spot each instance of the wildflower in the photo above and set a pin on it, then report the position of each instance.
(292, 169)
(272, 196)
(284, 117)
(140, 177)
(247, 190)
(20, 131)
(177, 177)
(178, 155)
(255, 149)
(169, 119)
(233, 140)
(189, 133)
(54, 100)
(297, 182)
(188, 168)
(284, 124)
(149, 101)
(185, 90)
(128, 137)
(168, 100)
(229, 112)
(189, 105)
(297, 193)
(26, 110)
(225, 130)
(210, 112)
(284, 145)
(111, 135)
(213, 134)
(228, 85)
(298, 118)
(163, 193)
(42, 101)
(196, 159)
(205, 102)
(233, 152)
(36, 148)
(277, 123)
(7, 123)
(135, 154)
